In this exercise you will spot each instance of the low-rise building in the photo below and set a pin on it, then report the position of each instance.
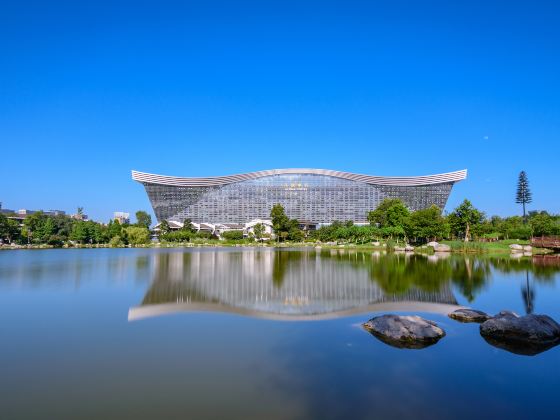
(122, 217)
(55, 213)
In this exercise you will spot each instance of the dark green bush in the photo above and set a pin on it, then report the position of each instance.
(56, 241)
(233, 235)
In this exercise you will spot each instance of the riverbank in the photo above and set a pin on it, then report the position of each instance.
(456, 247)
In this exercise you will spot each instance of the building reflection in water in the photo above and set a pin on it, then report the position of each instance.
(291, 284)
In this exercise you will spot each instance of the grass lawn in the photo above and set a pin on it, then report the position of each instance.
(499, 246)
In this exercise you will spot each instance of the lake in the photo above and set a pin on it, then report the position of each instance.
(263, 333)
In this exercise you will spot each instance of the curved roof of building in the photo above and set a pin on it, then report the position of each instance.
(230, 179)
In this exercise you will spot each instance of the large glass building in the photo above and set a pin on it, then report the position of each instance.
(314, 195)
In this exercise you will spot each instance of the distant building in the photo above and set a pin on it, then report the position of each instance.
(55, 213)
(80, 216)
(121, 217)
(218, 229)
(25, 212)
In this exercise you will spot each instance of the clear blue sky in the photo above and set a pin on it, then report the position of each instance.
(91, 90)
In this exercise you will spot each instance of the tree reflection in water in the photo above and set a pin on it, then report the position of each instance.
(528, 294)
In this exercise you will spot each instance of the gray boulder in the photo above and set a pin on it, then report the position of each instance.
(433, 244)
(411, 332)
(528, 335)
(442, 248)
(469, 315)
(516, 247)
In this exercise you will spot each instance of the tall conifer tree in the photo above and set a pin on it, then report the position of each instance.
(523, 195)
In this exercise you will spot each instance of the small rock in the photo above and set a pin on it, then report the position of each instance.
(411, 332)
(375, 243)
(516, 247)
(433, 244)
(442, 248)
(528, 335)
(399, 248)
(527, 248)
(469, 315)
(409, 248)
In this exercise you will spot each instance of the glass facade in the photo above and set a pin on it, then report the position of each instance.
(307, 197)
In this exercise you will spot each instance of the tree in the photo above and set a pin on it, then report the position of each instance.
(137, 235)
(114, 228)
(9, 229)
(143, 219)
(544, 224)
(294, 232)
(164, 228)
(258, 231)
(464, 219)
(391, 212)
(80, 232)
(33, 225)
(279, 221)
(397, 215)
(392, 217)
(428, 224)
(283, 226)
(188, 226)
(523, 195)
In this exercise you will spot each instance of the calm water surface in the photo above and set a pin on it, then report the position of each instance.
(245, 333)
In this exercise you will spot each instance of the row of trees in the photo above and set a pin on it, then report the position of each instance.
(393, 220)
(39, 228)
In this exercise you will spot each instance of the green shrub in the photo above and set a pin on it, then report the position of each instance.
(521, 232)
(177, 236)
(233, 235)
(204, 235)
(56, 241)
(137, 235)
(116, 241)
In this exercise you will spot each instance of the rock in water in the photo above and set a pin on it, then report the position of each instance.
(469, 315)
(411, 332)
(527, 335)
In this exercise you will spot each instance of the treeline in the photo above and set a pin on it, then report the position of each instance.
(394, 221)
(391, 220)
(41, 229)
